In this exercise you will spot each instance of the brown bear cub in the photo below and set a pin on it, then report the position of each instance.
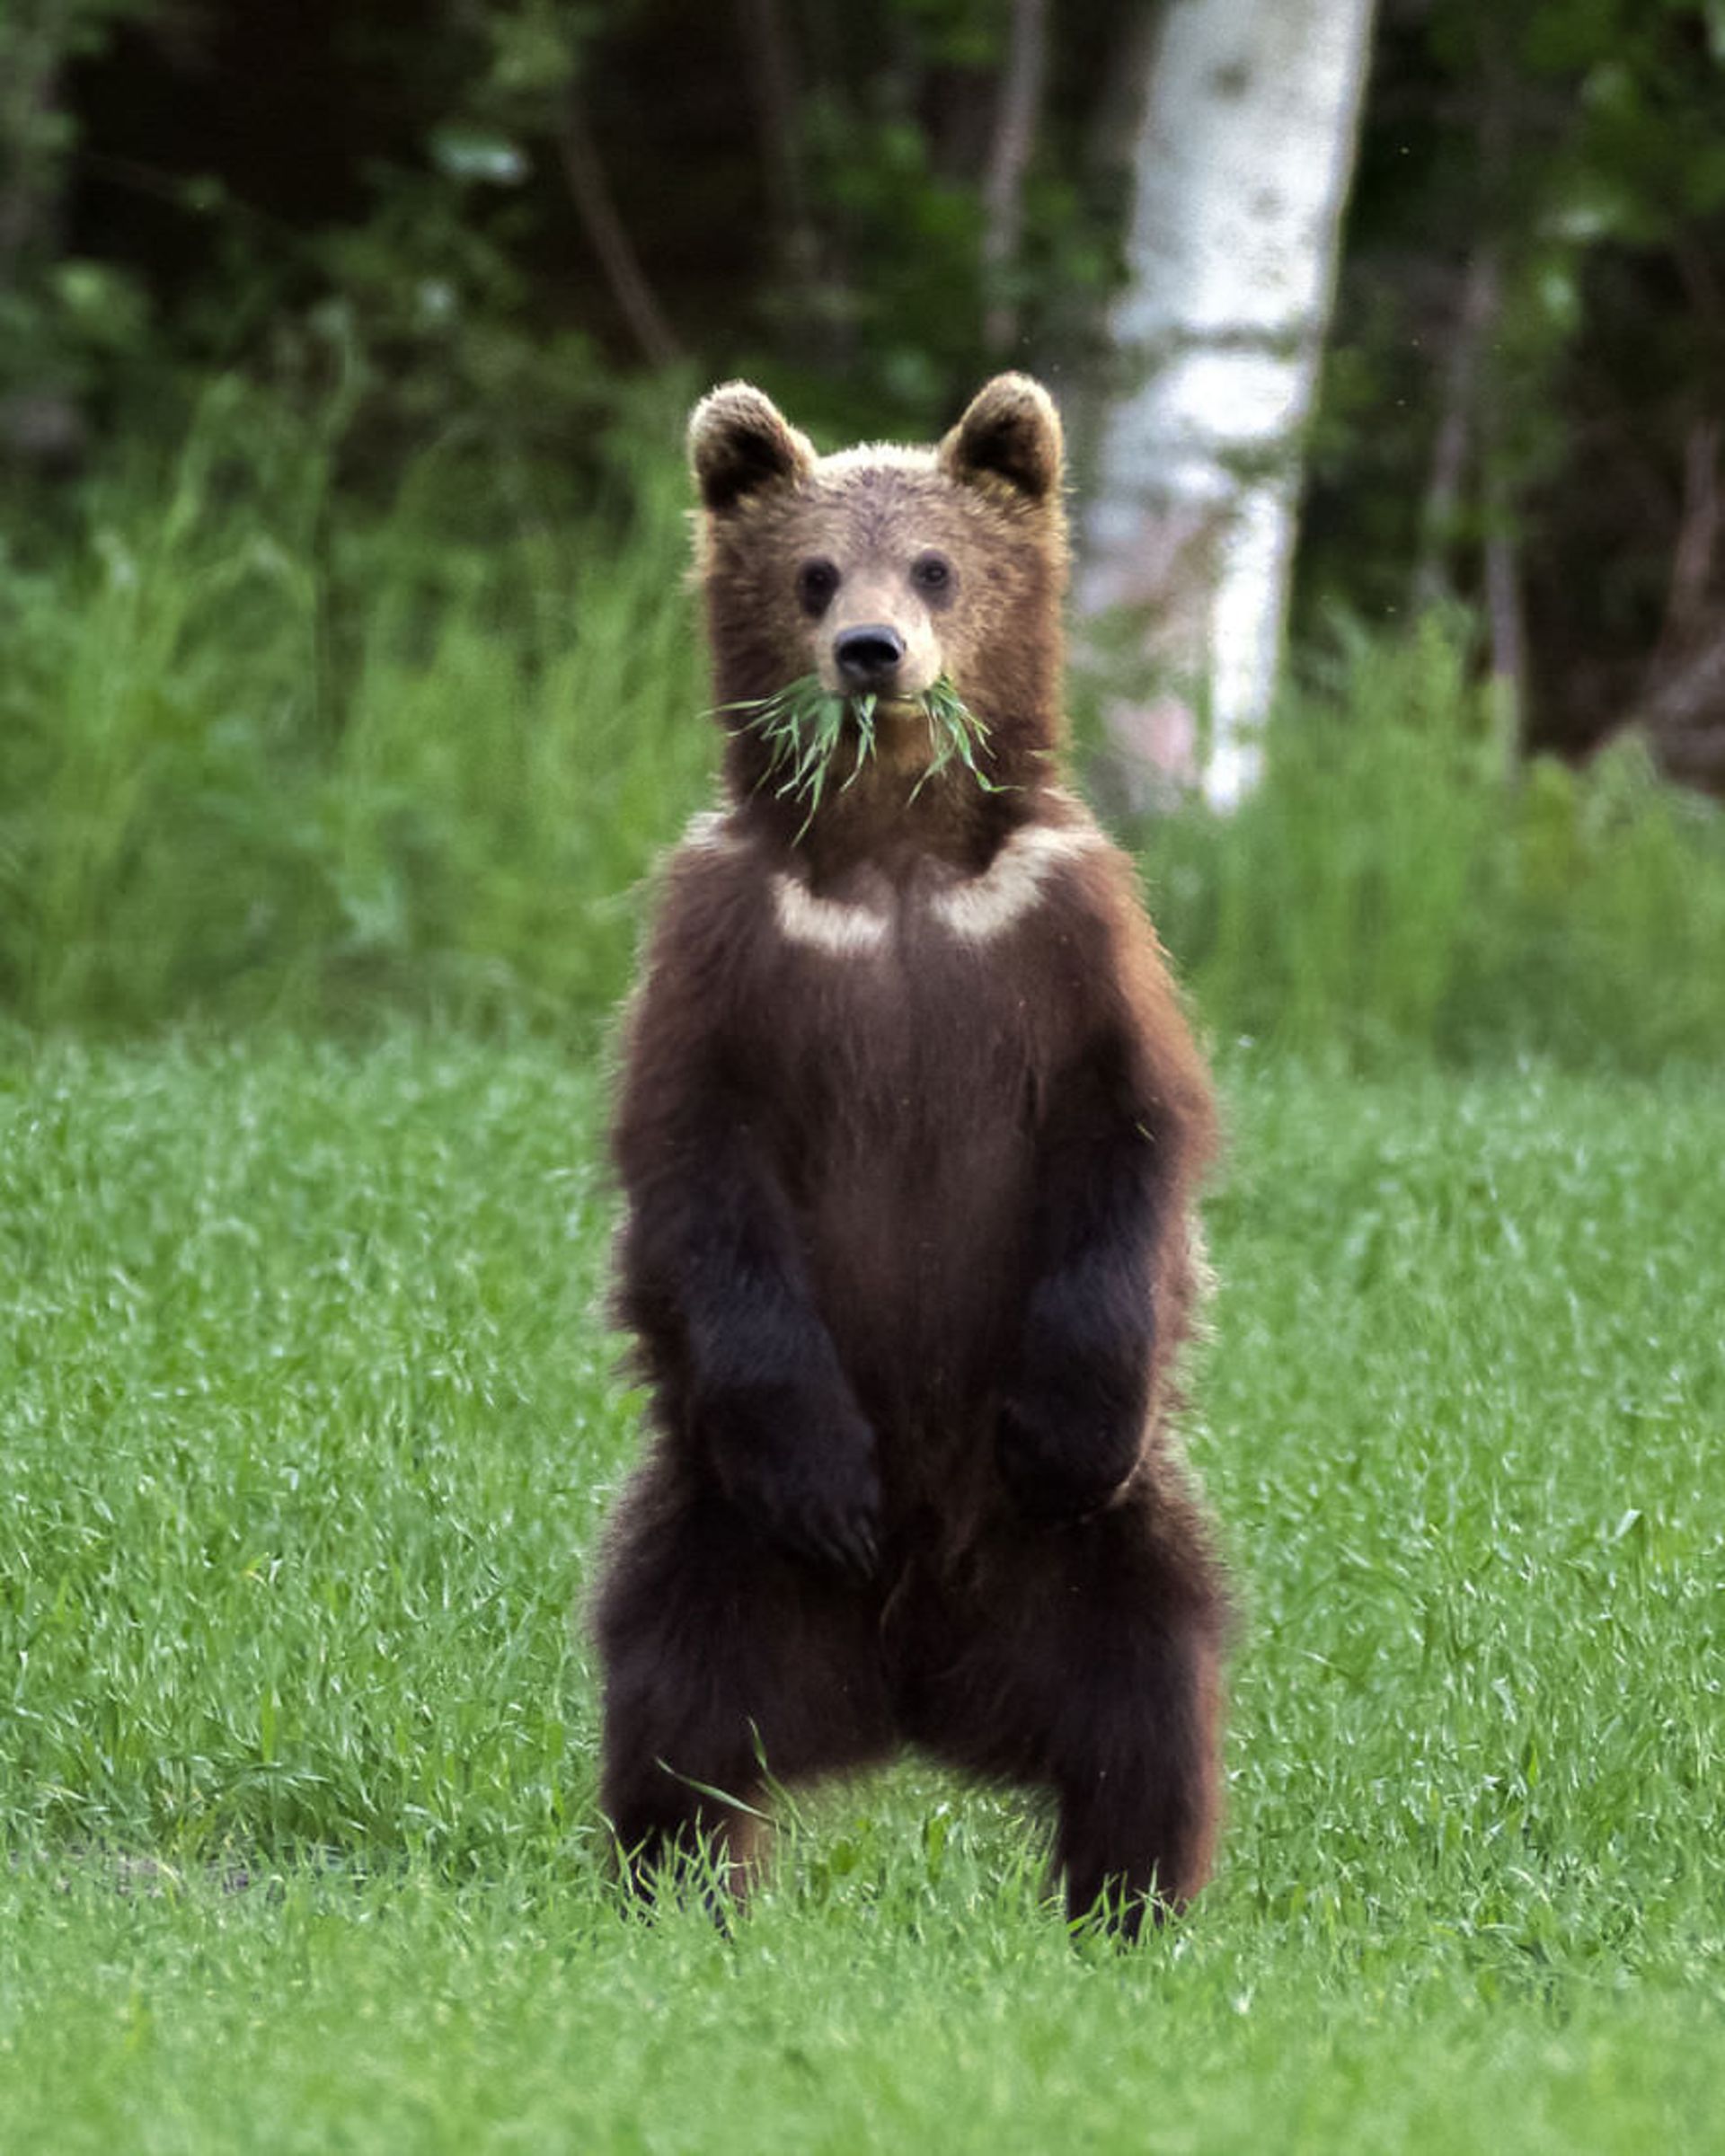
(909, 1135)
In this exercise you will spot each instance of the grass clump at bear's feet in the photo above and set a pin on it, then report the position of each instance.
(813, 733)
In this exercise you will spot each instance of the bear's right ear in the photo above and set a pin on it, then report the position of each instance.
(740, 442)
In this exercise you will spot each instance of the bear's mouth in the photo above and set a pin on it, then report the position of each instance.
(820, 742)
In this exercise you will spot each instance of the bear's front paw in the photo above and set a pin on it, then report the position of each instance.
(835, 1524)
(804, 1470)
(1062, 1470)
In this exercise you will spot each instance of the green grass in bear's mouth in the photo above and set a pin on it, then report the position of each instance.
(804, 726)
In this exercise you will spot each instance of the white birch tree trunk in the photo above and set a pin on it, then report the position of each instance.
(1243, 163)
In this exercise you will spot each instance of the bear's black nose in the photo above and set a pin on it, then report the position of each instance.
(868, 657)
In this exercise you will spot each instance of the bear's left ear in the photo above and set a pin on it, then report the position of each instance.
(739, 441)
(1010, 431)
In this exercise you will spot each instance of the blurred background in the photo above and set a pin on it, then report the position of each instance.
(347, 663)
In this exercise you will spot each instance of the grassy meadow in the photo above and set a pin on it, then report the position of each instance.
(307, 1425)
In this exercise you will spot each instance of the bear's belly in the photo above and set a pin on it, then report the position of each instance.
(916, 1266)
(908, 1160)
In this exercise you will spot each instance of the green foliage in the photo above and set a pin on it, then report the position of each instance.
(1397, 885)
(306, 1432)
(263, 751)
(514, 201)
(1529, 335)
(266, 750)
(1342, 888)
(508, 188)
(63, 317)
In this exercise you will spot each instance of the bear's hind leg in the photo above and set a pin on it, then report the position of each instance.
(725, 1664)
(1136, 1771)
(1084, 1663)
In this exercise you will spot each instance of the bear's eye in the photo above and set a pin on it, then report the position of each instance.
(931, 573)
(816, 581)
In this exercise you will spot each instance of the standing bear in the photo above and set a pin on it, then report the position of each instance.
(908, 1132)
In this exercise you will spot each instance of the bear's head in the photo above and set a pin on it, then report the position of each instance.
(886, 586)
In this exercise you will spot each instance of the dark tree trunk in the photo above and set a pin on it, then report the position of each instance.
(1009, 159)
(590, 191)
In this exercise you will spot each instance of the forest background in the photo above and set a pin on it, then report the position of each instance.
(343, 356)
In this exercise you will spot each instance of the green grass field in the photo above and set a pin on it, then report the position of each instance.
(306, 1423)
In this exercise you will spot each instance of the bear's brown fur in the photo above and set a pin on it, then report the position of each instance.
(908, 1136)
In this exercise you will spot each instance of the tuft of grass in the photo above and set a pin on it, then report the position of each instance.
(267, 751)
(1399, 887)
(804, 726)
(955, 734)
(306, 1430)
(810, 731)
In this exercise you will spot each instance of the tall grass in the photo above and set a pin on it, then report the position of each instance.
(268, 750)
(1399, 883)
(262, 754)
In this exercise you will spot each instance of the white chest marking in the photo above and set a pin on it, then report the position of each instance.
(827, 924)
(984, 905)
(975, 910)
